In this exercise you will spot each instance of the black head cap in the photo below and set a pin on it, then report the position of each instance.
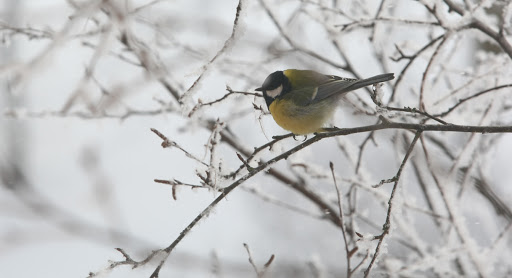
(272, 82)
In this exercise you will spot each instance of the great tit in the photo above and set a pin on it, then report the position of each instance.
(301, 101)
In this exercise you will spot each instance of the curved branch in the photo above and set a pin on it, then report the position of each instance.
(419, 128)
(411, 58)
(461, 101)
(499, 37)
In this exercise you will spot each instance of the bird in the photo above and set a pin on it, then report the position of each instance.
(302, 101)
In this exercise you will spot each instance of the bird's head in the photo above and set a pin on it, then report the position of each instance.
(275, 85)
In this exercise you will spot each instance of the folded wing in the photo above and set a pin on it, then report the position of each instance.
(340, 85)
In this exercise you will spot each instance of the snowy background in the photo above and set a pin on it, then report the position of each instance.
(83, 83)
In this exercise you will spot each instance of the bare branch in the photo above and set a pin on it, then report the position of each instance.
(387, 223)
(227, 44)
(343, 232)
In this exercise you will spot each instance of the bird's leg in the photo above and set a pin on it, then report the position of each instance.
(305, 137)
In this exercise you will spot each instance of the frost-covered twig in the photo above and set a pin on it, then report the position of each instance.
(387, 223)
(319, 136)
(227, 44)
(421, 103)
(500, 206)
(361, 149)
(370, 23)
(476, 95)
(413, 111)
(499, 36)
(411, 58)
(167, 143)
(256, 151)
(230, 93)
(455, 218)
(292, 44)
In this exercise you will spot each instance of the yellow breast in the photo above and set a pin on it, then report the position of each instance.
(299, 120)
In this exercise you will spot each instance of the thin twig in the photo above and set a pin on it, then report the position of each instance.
(319, 136)
(499, 37)
(361, 149)
(255, 152)
(343, 232)
(259, 273)
(463, 100)
(387, 223)
(292, 44)
(246, 246)
(437, 51)
(227, 44)
(230, 93)
(414, 110)
(411, 59)
(462, 232)
(167, 143)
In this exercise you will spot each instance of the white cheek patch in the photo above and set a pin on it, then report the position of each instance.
(274, 93)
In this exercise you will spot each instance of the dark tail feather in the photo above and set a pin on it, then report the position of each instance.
(370, 81)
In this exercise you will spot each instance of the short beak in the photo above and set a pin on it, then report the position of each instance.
(259, 89)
